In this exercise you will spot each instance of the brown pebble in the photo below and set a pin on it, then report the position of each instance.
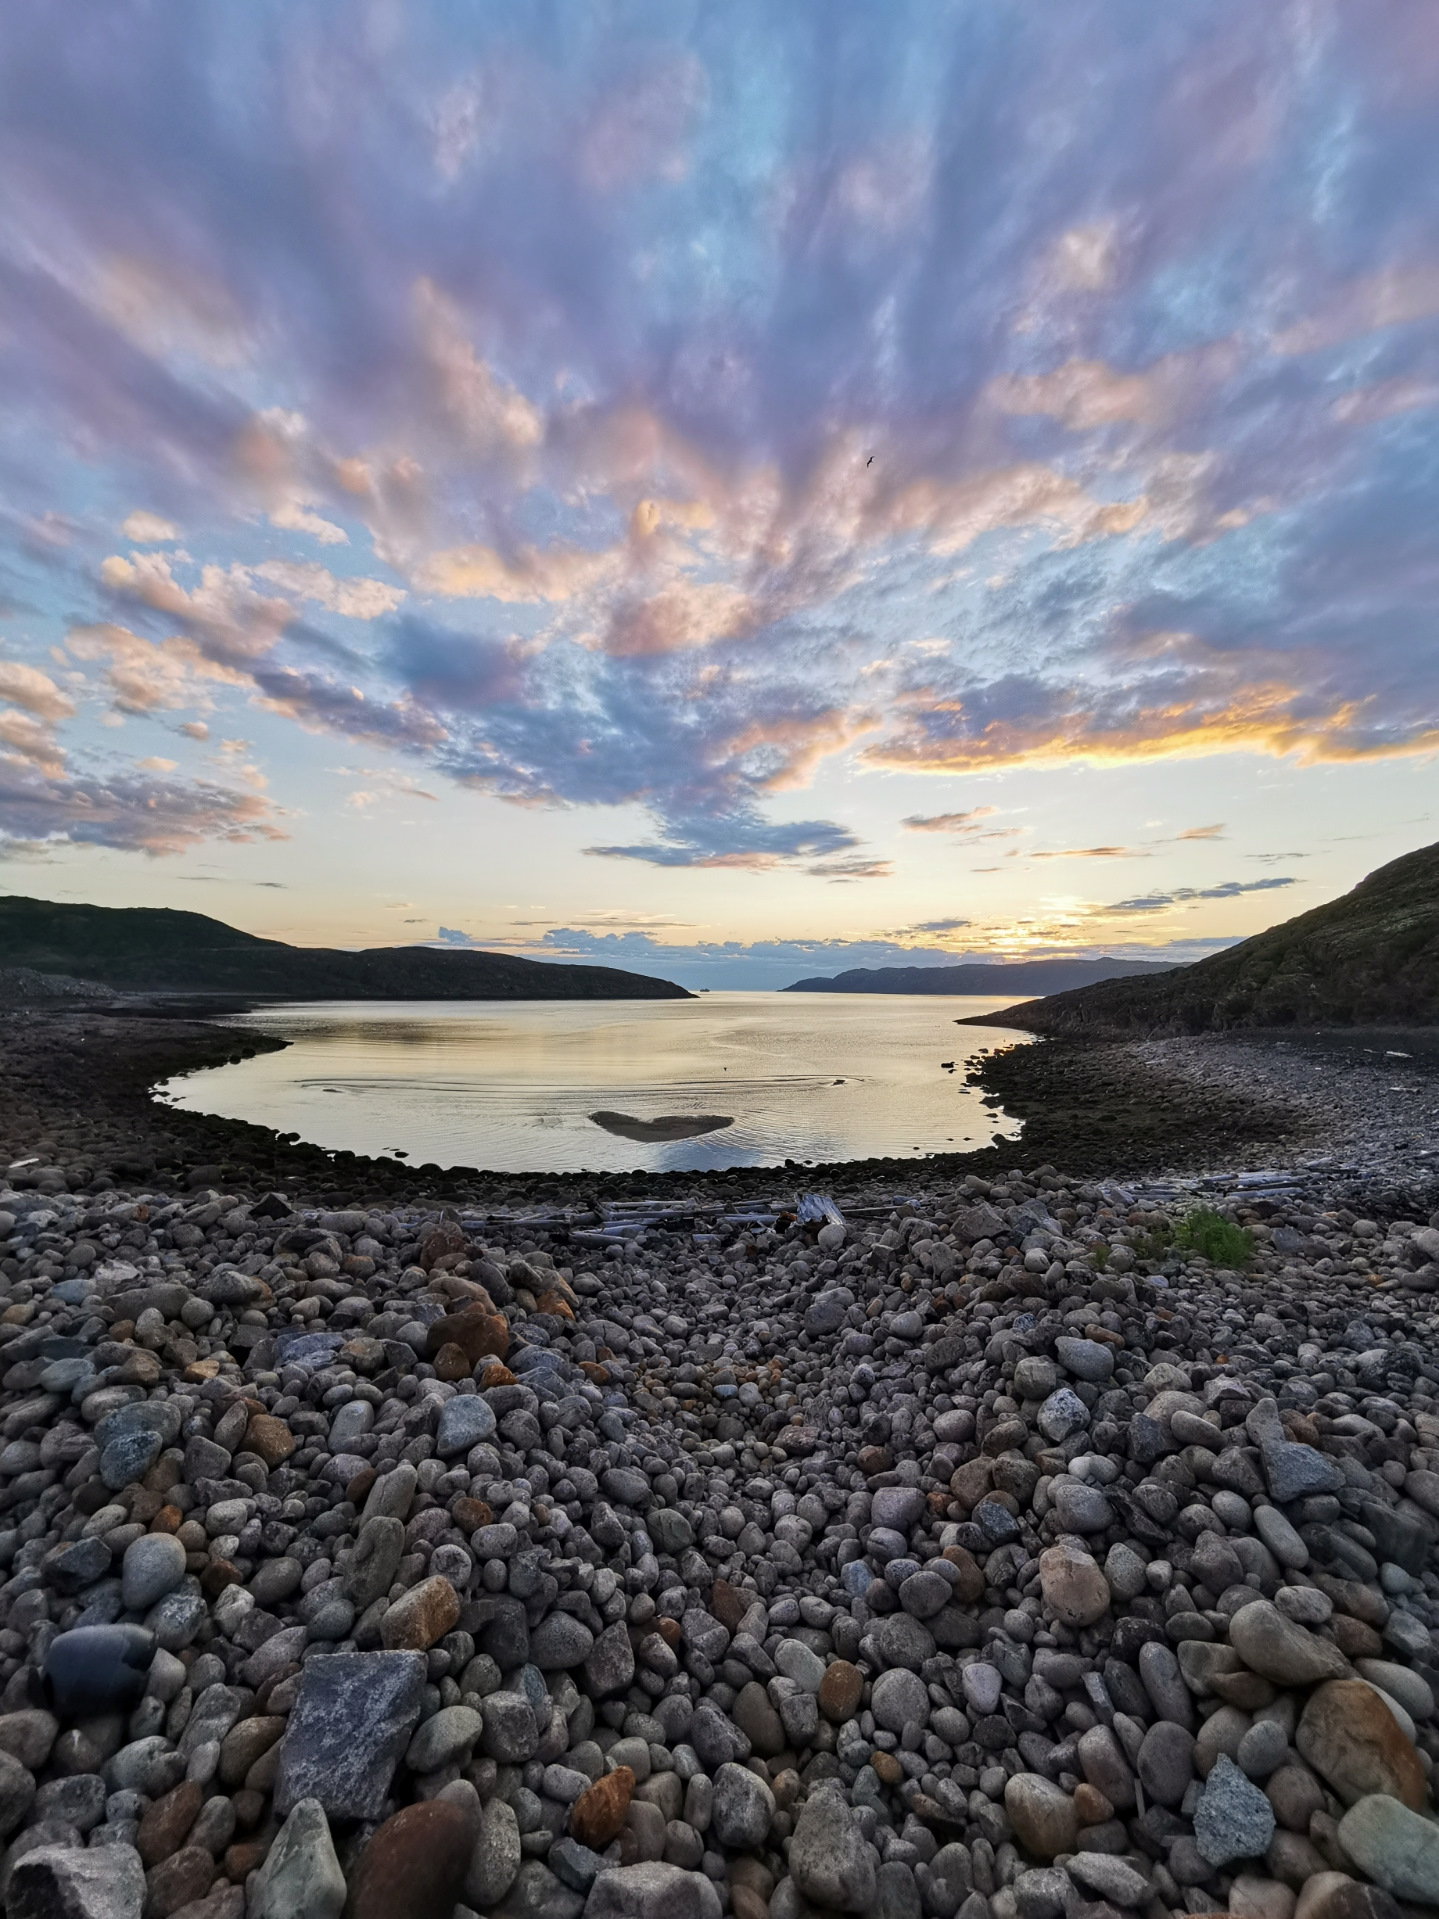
(1354, 1639)
(1091, 1805)
(473, 1330)
(218, 1574)
(600, 1811)
(243, 1858)
(496, 1374)
(269, 1438)
(414, 1867)
(452, 1362)
(244, 1743)
(185, 1875)
(169, 1519)
(470, 1514)
(728, 1604)
(670, 1631)
(357, 1491)
(970, 1585)
(887, 1768)
(165, 1824)
(839, 1691)
(421, 1616)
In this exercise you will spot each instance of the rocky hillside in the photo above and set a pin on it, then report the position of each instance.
(1368, 959)
(154, 949)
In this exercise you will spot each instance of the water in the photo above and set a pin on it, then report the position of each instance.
(512, 1087)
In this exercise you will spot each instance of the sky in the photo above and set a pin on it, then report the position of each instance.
(730, 491)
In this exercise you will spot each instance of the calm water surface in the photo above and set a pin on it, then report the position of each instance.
(824, 1076)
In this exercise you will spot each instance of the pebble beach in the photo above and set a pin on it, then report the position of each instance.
(986, 1548)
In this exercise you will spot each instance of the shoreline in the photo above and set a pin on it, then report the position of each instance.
(77, 1079)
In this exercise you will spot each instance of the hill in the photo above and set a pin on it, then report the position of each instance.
(144, 949)
(1023, 979)
(1370, 958)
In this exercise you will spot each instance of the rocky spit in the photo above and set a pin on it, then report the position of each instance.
(980, 1555)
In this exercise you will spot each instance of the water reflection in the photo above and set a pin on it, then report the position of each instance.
(728, 1079)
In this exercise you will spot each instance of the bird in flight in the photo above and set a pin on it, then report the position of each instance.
(870, 460)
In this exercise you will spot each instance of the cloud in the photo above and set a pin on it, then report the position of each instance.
(1202, 832)
(147, 676)
(294, 517)
(228, 620)
(1095, 853)
(355, 599)
(949, 822)
(1228, 890)
(148, 529)
(130, 812)
(26, 686)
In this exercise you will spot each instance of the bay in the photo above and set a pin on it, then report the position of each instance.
(516, 1086)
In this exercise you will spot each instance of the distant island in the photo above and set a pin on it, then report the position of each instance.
(1370, 958)
(1024, 979)
(144, 949)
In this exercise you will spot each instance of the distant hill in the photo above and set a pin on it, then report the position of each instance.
(144, 949)
(1370, 958)
(1023, 979)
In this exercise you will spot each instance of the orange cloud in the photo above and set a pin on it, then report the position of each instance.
(1267, 717)
(147, 676)
(27, 686)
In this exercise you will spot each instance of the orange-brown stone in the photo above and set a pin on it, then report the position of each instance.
(970, 1585)
(839, 1691)
(421, 1616)
(218, 1574)
(470, 1514)
(473, 1330)
(414, 1867)
(269, 1438)
(1352, 1740)
(598, 1814)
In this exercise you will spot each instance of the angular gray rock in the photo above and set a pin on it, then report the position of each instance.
(61, 1882)
(351, 1722)
(652, 1891)
(1233, 1820)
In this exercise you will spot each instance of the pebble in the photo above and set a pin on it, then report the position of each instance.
(1042, 1813)
(829, 1860)
(1074, 1589)
(153, 1566)
(415, 1865)
(1396, 1847)
(1352, 1740)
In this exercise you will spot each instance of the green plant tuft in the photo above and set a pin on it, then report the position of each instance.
(1214, 1238)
